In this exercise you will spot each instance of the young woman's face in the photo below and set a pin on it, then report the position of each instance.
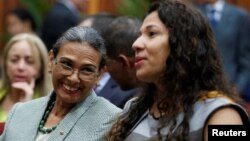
(74, 71)
(152, 49)
(21, 65)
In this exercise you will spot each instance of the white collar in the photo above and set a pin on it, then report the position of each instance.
(218, 5)
(102, 82)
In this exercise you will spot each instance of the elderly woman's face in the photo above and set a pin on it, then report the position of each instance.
(74, 71)
(152, 49)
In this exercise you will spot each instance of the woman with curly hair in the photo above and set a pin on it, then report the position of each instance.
(186, 89)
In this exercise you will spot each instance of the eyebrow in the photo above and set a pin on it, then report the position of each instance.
(148, 27)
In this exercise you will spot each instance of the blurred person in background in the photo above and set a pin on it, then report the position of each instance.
(20, 20)
(25, 72)
(99, 21)
(106, 86)
(119, 37)
(231, 27)
(63, 15)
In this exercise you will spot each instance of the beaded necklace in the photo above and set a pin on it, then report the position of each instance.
(41, 127)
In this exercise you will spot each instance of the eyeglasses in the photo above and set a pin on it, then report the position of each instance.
(87, 73)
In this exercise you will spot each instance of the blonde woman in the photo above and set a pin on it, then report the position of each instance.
(25, 72)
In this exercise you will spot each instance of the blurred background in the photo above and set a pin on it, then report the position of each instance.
(39, 9)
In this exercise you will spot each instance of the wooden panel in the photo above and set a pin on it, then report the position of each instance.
(10, 4)
(5, 6)
(1, 23)
(109, 5)
(95, 6)
(1, 15)
(241, 3)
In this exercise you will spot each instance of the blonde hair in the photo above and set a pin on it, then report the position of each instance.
(40, 54)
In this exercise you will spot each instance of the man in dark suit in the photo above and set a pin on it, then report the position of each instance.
(112, 91)
(119, 37)
(63, 15)
(109, 86)
(231, 27)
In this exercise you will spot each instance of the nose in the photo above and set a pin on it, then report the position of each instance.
(21, 64)
(138, 44)
(74, 77)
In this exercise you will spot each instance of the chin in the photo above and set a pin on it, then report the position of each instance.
(142, 78)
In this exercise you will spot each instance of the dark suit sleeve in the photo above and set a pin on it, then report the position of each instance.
(243, 52)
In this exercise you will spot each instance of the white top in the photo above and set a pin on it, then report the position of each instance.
(218, 7)
(42, 137)
(102, 82)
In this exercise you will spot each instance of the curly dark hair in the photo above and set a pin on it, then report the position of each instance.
(193, 70)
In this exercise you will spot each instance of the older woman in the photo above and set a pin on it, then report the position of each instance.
(25, 72)
(72, 111)
(186, 90)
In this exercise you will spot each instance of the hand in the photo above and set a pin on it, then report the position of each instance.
(26, 88)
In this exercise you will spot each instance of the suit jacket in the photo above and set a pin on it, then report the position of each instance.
(115, 95)
(232, 35)
(58, 20)
(89, 120)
